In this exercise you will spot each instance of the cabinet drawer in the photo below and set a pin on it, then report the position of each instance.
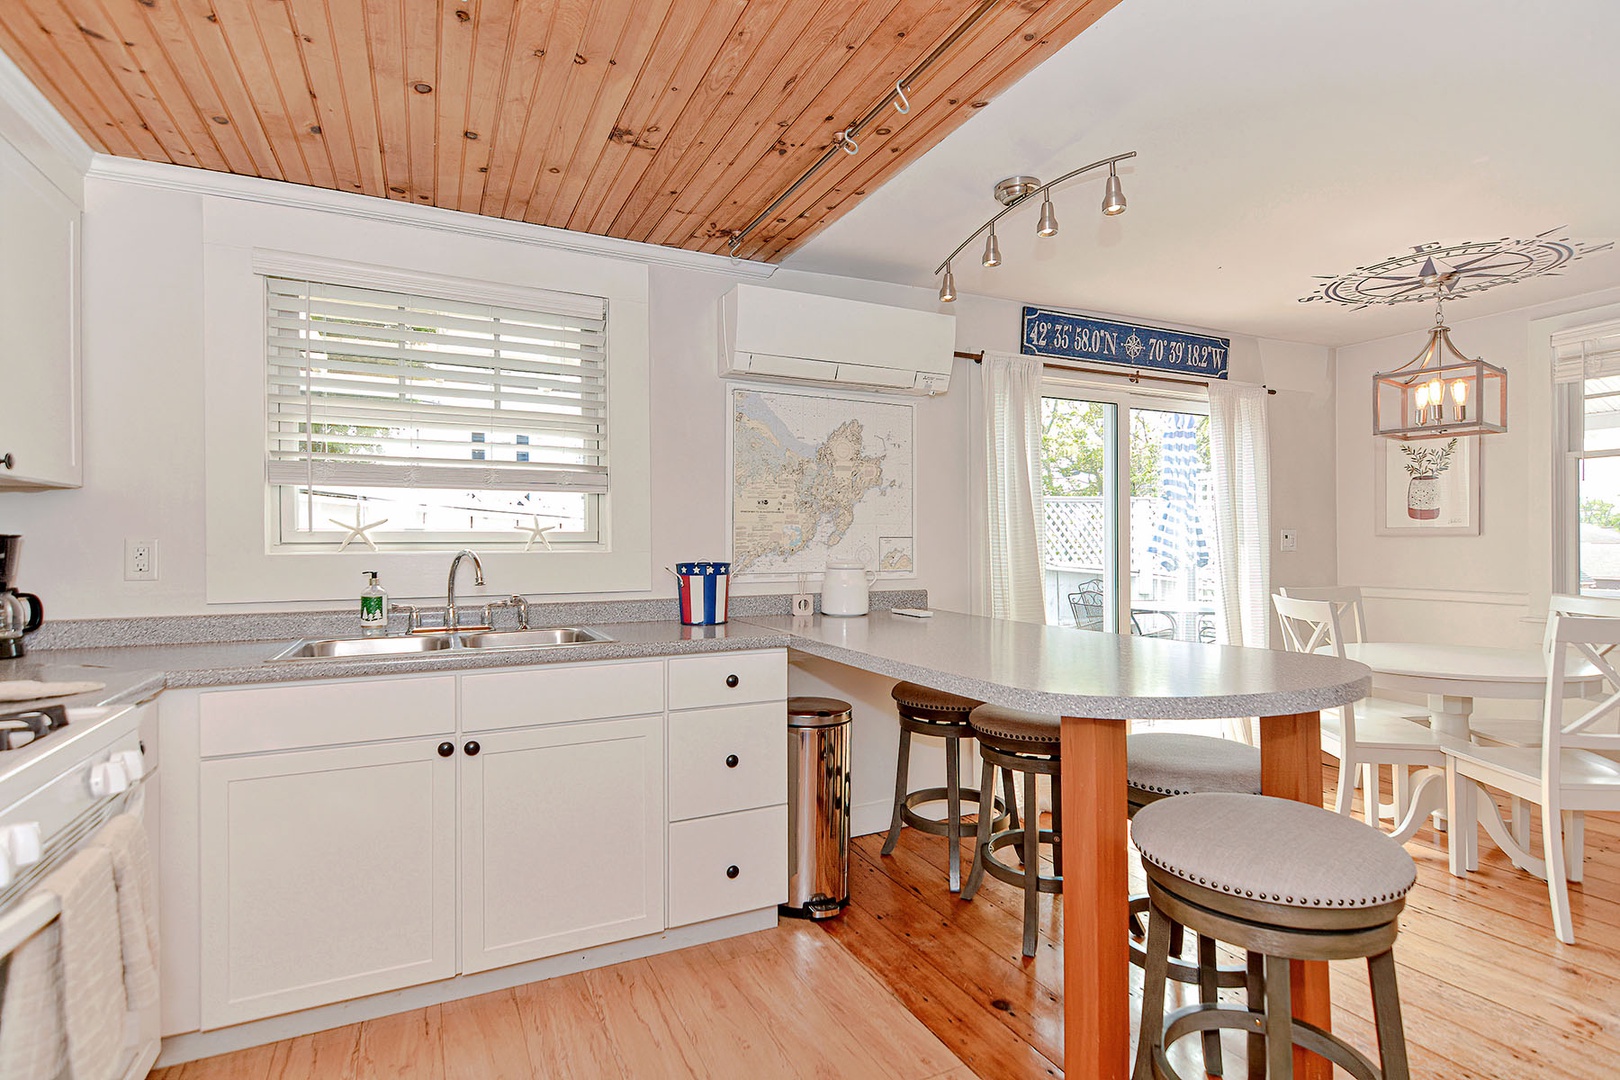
(560, 695)
(727, 679)
(702, 748)
(325, 714)
(702, 852)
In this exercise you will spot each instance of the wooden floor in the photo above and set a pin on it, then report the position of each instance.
(914, 983)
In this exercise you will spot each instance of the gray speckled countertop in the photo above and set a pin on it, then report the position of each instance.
(240, 663)
(1060, 670)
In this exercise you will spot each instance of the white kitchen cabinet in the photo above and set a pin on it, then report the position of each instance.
(562, 839)
(39, 329)
(325, 874)
(727, 759)
(727, 864)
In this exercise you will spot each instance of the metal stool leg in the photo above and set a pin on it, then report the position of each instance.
(1057, 825)
(1255, 988)
(1032, 865)
(953, 801)
(987, 787)
(1387, 1016)
(902, 768)
(1010, 787)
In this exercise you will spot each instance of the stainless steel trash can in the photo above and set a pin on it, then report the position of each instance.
(818, 807)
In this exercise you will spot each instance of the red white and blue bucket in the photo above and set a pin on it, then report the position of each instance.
(703, 590)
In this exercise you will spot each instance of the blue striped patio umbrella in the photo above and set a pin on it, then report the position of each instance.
(1178, 536)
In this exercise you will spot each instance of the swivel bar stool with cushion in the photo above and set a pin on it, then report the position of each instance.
(1283, 880)
(939, 715)
(1031, 744)
(1160, 765)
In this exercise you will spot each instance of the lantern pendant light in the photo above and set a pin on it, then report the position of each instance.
(1440, 393)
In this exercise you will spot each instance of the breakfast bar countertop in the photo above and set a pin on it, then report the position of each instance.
(1064, 672)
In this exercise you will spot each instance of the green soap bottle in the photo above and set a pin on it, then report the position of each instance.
(373, 607)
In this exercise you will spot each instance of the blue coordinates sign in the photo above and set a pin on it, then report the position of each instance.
(1078, 337)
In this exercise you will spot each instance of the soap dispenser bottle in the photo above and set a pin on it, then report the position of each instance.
(373, 607)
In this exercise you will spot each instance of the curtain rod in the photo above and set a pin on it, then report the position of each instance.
(1135, 376)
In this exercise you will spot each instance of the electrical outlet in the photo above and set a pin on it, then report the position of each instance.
(804, 603)
(140, 560)
(1290, 540)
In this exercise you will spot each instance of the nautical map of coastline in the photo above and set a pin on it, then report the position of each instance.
(819, 477)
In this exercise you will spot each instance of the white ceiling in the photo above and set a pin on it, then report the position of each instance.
(1278, 140)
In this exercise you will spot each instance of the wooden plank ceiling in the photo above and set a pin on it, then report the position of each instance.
(666, 121)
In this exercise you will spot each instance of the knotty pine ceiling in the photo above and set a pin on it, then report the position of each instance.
(666, 121)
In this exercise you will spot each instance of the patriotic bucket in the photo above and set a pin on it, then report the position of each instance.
(703, 589)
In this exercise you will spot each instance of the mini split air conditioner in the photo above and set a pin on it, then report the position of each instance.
(782, 336)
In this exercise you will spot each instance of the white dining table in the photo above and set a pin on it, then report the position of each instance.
(1451, 677)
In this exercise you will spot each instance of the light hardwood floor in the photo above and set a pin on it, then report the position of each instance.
(913, 983)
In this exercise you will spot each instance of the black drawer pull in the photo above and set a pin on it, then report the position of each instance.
(731, 761)
(472, 748)
(731, 681)
(446, 749)
(732, 872)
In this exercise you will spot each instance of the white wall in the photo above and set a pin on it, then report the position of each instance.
(1489, 589)
(143, 416)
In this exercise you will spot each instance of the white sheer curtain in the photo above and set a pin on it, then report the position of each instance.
(1240, 464)
(1014, 563)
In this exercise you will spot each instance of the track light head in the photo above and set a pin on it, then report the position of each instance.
(1048, 225)
(947, 288)
(992, 250)
(1113, 196)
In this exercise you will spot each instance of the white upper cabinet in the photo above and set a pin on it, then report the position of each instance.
(39, 329)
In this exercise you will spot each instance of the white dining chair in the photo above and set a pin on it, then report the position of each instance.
(1571, 772)
(1372, 732)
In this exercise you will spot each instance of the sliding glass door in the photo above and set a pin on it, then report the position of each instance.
(1128, 525)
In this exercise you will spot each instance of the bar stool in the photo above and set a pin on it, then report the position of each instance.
(1160, 765)
(1284, 880)
(1015, 741)
(936, 714)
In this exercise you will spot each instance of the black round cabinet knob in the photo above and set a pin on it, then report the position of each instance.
(732, 871)
(731, 761)
(472, 748)
(446, 749)
(731, 680)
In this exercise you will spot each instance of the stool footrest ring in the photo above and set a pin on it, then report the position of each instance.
(1197, 1018)
(1002, 871)
(941, 826)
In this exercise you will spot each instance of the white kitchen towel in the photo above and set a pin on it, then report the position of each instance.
(32, 689)
(124, 838)
(89, 974)
(33, 1045)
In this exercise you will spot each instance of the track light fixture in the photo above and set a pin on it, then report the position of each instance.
(992, 250)
(1013, 192)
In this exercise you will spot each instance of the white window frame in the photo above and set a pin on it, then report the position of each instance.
(1569, 431)
(242, 519)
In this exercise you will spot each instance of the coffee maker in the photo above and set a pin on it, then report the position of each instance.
(20, 612)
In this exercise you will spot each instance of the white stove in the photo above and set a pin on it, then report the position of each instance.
(63, 774)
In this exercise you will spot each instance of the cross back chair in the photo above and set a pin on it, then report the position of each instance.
(1367, 734)
(1574, 770)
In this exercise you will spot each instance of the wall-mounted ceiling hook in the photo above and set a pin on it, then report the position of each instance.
(903, 105)
(846, 139)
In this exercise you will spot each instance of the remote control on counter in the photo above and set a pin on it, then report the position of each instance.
(913, 612)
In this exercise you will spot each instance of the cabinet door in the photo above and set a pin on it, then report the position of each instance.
(562, 839)
(39, 326)
(326, 875)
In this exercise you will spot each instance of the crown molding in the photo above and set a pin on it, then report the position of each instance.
(40, 116)
(367, 207)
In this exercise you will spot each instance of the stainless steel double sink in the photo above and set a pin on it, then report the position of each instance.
(438, 641)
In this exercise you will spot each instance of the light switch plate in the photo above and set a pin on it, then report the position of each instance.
(1290, 540)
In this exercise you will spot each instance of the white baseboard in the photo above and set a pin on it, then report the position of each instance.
(201, 1044)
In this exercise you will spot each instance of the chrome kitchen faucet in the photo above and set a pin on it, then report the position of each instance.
(451, 620)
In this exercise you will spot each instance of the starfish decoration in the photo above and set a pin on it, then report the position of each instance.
(360, 530)
(537, 531)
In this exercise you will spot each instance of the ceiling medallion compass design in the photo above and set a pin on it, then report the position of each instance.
(1432, 270)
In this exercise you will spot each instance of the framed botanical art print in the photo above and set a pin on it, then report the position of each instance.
(1429, 487)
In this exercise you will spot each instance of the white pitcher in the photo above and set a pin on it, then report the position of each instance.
(844, 588)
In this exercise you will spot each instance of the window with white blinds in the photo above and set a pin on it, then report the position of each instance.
(376, 389)
(1586, 374)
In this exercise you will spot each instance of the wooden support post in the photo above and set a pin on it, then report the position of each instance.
(1096, 966)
